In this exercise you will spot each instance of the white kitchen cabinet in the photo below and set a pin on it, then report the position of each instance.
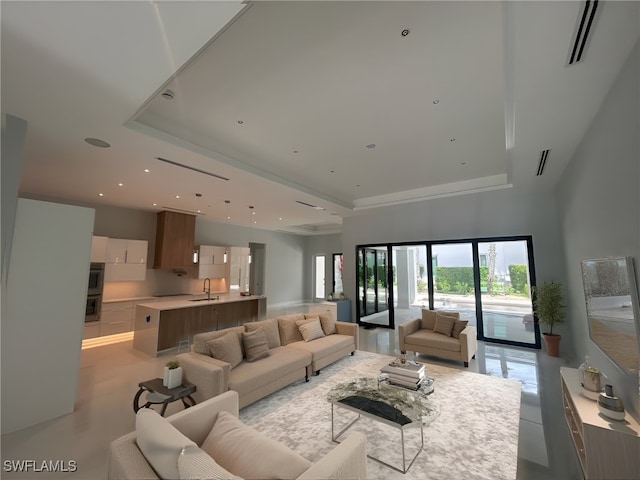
(99, 249)
(116, 317)
(126, 260)
(211, 262)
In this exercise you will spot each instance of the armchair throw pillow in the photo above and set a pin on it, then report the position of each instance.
(195, 464)
(248, 453)
(458, 326)
(444, 324)
(428, 319)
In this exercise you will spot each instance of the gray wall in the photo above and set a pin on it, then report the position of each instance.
(599, 209)
(14, 130)
(488, 214)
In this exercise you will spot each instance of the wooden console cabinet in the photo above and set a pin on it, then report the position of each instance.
(607, 449)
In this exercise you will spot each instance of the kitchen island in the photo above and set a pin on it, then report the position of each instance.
(159, 326)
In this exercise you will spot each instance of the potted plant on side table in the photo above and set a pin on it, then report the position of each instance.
(548, 306)
(172, 374)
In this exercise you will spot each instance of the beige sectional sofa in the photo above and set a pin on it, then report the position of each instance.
(297, 345)
(208, 441)
(439, 333)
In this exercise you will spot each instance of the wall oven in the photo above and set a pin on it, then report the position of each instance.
(94, 292)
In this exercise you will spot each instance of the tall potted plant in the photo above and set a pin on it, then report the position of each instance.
(548, 306)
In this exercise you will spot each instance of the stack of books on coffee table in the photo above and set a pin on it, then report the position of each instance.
(409, 375)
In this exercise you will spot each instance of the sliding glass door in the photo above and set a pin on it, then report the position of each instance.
(373, 286)
(488, 281)
(507, 312)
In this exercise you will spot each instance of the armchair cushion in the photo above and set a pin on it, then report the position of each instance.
(250, 454)
(194, 463)
(428, 318)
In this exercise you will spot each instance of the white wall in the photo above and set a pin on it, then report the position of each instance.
(45, 309)
(489, 214)
(599, 209)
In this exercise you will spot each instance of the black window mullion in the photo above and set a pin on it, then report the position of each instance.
(477, 290)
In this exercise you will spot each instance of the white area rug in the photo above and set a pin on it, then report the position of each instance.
(475, 435)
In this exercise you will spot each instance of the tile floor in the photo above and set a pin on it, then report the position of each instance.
(109, 376)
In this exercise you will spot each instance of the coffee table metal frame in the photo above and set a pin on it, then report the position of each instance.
(402, 428)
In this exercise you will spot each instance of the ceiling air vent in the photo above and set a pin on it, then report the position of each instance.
(309, 205)
(581, 37)
(543, 161)
(171, 162)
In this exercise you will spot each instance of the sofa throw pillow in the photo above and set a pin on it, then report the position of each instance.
(226, 348)
(326, 320)
(310, 328)
(458, 326)
(160, 442)
(200, 339)
(428, 319)
(270, 328)
(195, 464)
(256, 345)
(444, 324)
(288, 328)
(248, 453)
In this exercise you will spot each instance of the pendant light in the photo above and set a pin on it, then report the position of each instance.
(226, 256)
(251, 212)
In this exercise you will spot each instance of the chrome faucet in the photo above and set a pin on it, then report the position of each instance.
(205, 289)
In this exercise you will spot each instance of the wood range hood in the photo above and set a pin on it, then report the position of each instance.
(175, 233)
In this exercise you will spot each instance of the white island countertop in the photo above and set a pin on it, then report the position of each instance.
(199, 301)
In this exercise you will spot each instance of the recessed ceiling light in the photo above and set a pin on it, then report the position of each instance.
(463, 163)
(452, 139)
(371, 145)
(405, 32)
(358, 185)
(436, 101)
(146, 170)
(101, 194)
(168, 95)
(240, 122)
(280, 218)
(332, 171)
(121, 184)
(296, 151)
(96, 142)
(155, 204)
(177, 196)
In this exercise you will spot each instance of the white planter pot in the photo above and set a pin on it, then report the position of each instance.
(172, 377)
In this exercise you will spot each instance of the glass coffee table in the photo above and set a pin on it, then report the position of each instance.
(397, 407)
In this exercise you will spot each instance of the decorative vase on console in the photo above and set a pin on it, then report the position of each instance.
(172, 374)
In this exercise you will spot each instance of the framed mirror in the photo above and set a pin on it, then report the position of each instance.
(611, 297)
